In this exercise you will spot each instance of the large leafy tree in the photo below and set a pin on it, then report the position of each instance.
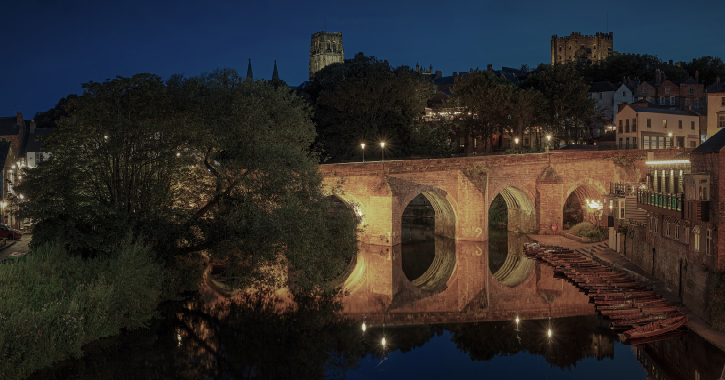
(365, 100)
(212, 163)
(709, 68)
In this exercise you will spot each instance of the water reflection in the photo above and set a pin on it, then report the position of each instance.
(476, 327)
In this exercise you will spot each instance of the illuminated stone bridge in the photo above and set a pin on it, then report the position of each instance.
(534, 186)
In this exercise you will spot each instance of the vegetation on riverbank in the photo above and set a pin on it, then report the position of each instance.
(717, 303)
(588, 230)
(52, 303)
(498, 212)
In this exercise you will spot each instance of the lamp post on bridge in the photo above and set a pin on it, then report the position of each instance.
(363, 151)
(548, 141)
(382, 149)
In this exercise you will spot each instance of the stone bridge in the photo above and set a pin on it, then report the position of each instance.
(534, 186)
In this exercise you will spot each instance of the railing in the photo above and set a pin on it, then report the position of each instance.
(661, 201)
(622, 189)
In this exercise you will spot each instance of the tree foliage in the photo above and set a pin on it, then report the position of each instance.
(708, 67)
(364, 100)
(49, 118)
(211, 163)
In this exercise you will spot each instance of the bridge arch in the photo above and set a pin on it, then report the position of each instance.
(445, 213)
(583, 191)
(520, 206)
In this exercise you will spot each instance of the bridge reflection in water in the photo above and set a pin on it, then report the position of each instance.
(462, 281)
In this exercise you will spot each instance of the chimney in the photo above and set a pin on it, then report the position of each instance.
(697, 76)
(20, 118)
(439, 74)
(489, 67)
(32, 125)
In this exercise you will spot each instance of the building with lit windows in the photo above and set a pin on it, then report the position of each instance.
(656, 128)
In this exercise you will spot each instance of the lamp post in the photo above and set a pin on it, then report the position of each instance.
(670, 136)
(363, 150)
(548, 141)
(382, 149)
(516, 140)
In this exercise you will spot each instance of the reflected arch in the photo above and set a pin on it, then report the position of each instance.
(443, 263)
(352, 276)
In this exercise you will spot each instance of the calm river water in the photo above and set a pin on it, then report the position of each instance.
(192, 340)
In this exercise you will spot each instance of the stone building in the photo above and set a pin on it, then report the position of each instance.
(679, 242)
(578, 47)
(656, 128)
(326, 48)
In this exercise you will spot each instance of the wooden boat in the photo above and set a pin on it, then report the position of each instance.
(671, 334)
(655, 328)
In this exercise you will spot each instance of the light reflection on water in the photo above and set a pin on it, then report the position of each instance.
(193, 340)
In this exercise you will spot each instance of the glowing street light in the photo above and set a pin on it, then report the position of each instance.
(548, 333)
(382, 149)
(383, 341)
(548, 141)
(670, 135)
(364, 327)
(363, 151)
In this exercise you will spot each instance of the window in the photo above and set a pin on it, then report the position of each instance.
(679, 124)
(687, 101)
(664, 123)
(692, 144)
(696, 237)
(655, 222)
(667, 227)
(624, 93)
(634, 143)
(687, 233)
(651, 222)
(600, 95)
(627, 143)
(692, 91)
(634, 125)
(645, 142)
(644, 91)
(621, 130)
(667, 90)
(649, 123)
(662, 100)
(723, 100)
(697, 103)
(620, 142)
(626, 126)
(708, 241)
(692, 125)
(672, 100)
(721, 121)
(677, 231)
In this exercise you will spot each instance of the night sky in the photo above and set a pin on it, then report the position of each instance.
(51, 47)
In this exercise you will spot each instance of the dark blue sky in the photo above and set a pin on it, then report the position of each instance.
(51, 47)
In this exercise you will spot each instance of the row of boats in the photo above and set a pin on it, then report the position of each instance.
(627, 304)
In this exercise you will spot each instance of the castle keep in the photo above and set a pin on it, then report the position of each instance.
(326, 49)
(576, 47)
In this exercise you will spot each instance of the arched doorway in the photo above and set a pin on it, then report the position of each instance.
(511, 215)
(428, 249)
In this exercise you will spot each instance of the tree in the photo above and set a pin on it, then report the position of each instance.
(212, 163)
(709, 69)
(49, 118)
(364, 100)
(568, 107)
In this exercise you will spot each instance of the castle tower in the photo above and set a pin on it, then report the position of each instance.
(577, 47)
(326, 49)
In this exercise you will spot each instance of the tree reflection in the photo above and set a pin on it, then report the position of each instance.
(249, 339)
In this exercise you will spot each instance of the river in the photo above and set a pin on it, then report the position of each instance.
(192, 340)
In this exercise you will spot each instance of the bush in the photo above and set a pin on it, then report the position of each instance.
(52, 303)
(588, 230)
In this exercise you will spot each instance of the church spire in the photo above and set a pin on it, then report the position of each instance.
(275, 75)
(249, 70)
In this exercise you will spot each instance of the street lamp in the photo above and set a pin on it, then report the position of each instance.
(516, 140)
(670, 135)
(382, 149)
(363, 150)
(548, 141)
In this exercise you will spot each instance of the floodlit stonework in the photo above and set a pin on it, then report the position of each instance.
(575, 47)
(326, 49)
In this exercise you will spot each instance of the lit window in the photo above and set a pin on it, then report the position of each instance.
(649, 123)
(696, 237)
(721, 121)
(664, 123)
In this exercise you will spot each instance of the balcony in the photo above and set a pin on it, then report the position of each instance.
(662, 203)
(698, 211)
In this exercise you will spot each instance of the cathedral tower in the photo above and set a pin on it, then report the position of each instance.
(326, 49)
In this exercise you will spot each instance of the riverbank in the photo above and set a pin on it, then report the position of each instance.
(607, 256)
